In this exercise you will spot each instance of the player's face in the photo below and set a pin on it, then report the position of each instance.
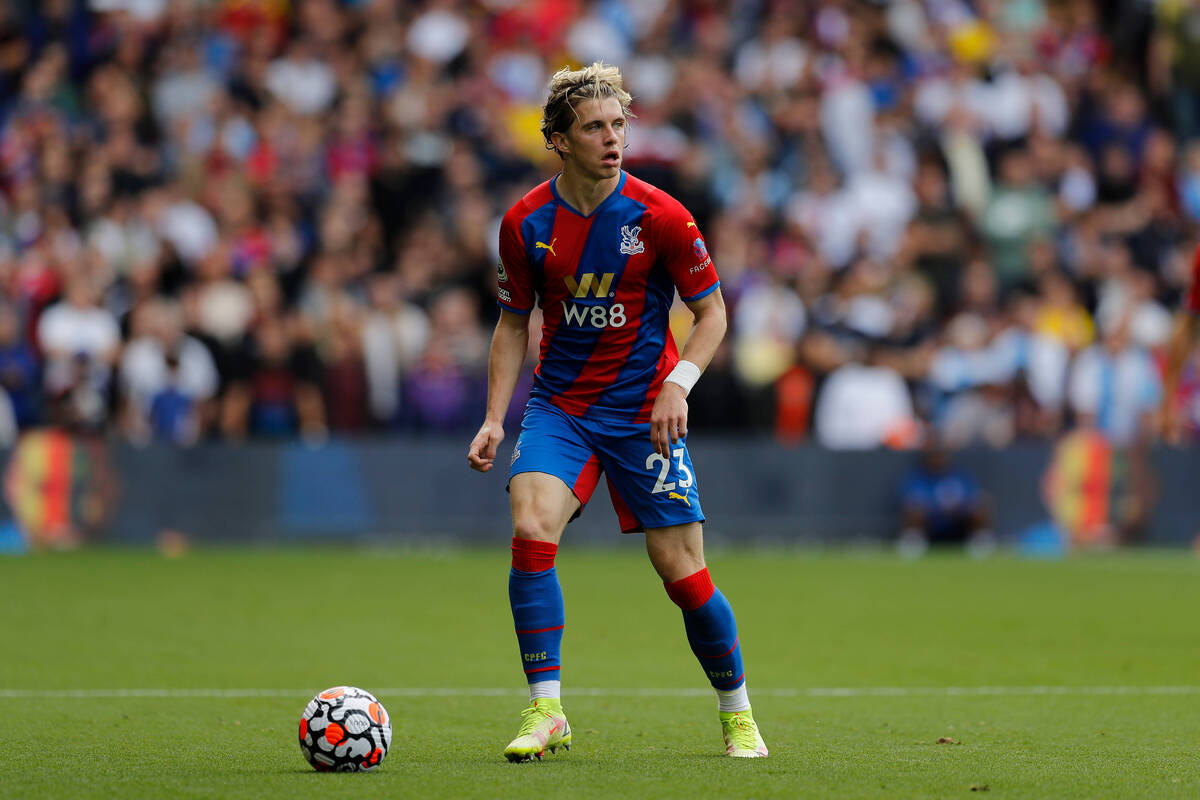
(597, 138)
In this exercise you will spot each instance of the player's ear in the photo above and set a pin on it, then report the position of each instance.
(559, 140)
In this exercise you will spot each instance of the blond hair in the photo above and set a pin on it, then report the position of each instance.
(569, 87)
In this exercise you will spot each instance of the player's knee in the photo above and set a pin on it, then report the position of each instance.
(676, 566)
(676, 559)
(535, 526)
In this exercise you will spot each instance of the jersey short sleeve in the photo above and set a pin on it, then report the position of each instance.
(1191, 300)
(684, 253)
(514, 278)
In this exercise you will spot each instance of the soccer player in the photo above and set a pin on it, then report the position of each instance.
(1182, 341)
(603, 253)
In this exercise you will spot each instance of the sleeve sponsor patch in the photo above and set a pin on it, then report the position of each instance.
(504, 294)
(700, 251)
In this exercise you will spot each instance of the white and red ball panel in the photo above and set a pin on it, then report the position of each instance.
(345, 729)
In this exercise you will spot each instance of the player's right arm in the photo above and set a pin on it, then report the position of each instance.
(509, 343)
(686, 258)
(515, 294)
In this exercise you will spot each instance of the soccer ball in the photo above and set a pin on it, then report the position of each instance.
(345, 729)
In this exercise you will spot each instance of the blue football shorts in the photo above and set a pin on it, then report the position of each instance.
(647, 490)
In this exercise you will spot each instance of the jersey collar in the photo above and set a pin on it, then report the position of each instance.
(616, 192)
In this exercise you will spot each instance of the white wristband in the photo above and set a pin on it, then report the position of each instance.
(685, 374)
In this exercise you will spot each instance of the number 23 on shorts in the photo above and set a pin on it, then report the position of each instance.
(657, 461)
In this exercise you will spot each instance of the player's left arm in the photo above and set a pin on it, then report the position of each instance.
(668, 418)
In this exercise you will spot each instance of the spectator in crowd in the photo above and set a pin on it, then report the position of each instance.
(394, 334)
(866, 405)
(937, 241)
(769, 320)
(19, 370)
(169, 379)
(1115, 387)
(1060, 315)
(80, 341)
(318, 185)
(1174, 58)
(444, 385)
(344, 372)
(941, 504)
(975, 404)
(1019, 211)
(278, 393)
(1036, 364)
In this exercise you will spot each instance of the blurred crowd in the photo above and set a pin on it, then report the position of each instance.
(233, 218)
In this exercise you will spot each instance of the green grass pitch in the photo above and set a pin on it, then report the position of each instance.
(1074, 679)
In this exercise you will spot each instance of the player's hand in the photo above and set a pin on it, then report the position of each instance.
(668, 419)
(481, 455)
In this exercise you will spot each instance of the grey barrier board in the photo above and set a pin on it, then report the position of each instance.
(754, 491)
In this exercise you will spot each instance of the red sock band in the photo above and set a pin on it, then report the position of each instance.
(691, 592)
(530, 555)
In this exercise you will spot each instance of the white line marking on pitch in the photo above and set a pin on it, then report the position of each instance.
(867, 691)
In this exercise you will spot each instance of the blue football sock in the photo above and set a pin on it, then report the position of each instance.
(537, 608)
(711, 629)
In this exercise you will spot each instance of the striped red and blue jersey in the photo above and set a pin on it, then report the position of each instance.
(605, 283)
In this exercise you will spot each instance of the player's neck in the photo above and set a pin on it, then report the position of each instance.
(583, 192)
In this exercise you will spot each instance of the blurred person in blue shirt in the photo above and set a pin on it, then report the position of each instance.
(942, 505)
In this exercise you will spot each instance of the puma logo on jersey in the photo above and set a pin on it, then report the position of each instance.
(691, 224)
(544, 246)
(677, 496)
